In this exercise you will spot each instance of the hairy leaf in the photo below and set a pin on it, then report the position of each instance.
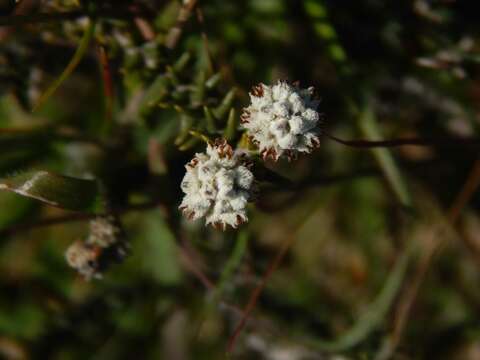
(56, 190)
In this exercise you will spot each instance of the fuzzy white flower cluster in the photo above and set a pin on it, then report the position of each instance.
(282, 120)
(217, 186)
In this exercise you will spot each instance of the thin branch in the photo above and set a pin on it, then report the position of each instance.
(48, 133)
(407, 302)
(68, 134)
(72, 65)
(73, 217)
(436, 142)
(274, 264)
(22, 19)
(258, 290)
(326, 180)
(107, 82)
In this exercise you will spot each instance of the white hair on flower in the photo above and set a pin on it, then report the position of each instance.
(217, 186)
(282, 120)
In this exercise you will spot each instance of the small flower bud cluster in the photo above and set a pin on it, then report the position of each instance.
(105, 245)
(282, 120)
(217, 186)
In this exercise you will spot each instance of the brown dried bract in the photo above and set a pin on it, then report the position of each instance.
(240, 221)
(291, 155)
(316, 143)
(188, 213)
(257, 90)
(245, 117)
(269, 153)
(223, 148)
(219, 226)
(193, 162)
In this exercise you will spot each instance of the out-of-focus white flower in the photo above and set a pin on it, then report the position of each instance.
(104, 245)
(217, 186)
(282, 120)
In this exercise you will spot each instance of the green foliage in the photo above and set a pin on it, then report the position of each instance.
(112, 136)
(60, 191)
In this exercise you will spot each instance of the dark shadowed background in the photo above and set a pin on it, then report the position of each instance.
(384, 244)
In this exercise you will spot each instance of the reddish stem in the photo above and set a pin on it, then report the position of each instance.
(368, 144)
(107, 82)
(257, 291)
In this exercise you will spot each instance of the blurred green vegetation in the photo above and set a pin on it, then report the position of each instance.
(360, 220)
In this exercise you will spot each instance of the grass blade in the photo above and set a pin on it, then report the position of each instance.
(77, 57)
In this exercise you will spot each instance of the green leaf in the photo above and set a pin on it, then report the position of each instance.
(186, 124)
(181, 62)
(155, 93)
(56, 190)
(233, 262)
(160, 257)
(231, 127)
(25, 320)
(77, 57)
(369, 128)
(213, 81)
(210, 120)
(376, 312)
(198, 94)
(315, 9)
(190, 143)
(18, 208)
(221, 110)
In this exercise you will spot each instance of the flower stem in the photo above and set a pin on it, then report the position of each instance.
(435, 142)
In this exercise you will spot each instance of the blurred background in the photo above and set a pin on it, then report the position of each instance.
(383, 258)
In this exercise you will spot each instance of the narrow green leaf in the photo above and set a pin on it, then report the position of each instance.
(155, 93)
(18, 208)
(221, 110)
(77, 57)
(186, 124)
(200, 136)
(56, 190)
(210, 120)
(173, 76)
(160, 259)
(315, 9)
(369, 128)
(189, 143)
(375, 314)
(198, 93)
(26, 320)
(233, 262)
(231, 127)
(181, 62)
(213, 80)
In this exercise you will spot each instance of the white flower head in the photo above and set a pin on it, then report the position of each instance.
(282, 120)
(217, 186)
